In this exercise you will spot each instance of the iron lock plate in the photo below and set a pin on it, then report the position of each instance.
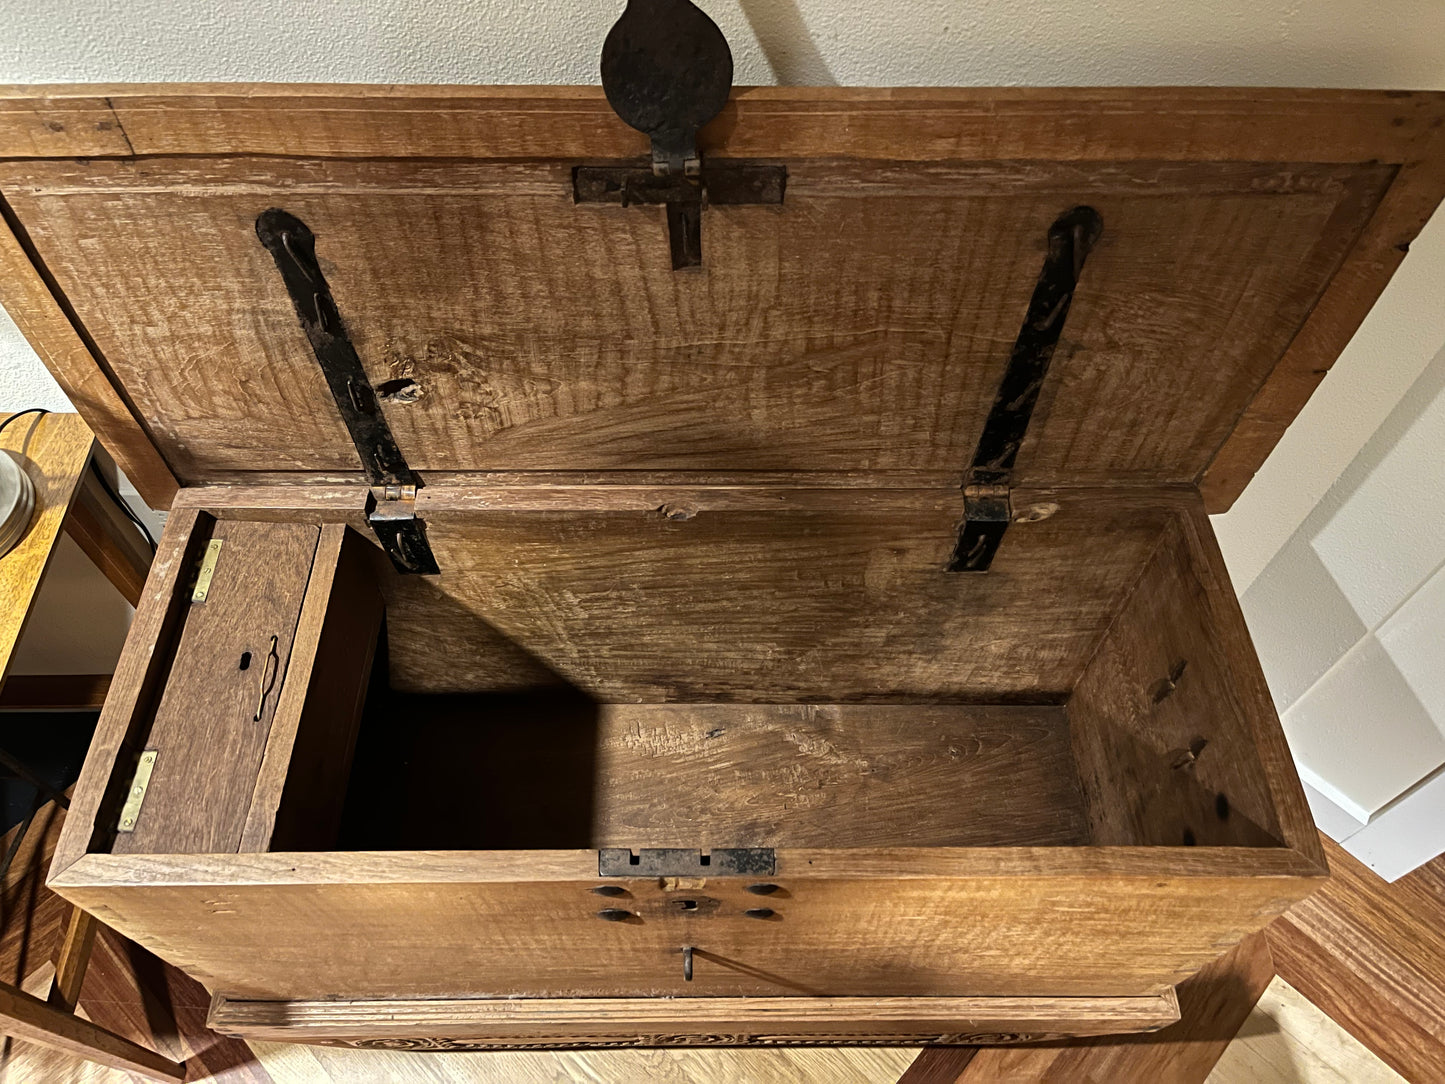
(683, 862)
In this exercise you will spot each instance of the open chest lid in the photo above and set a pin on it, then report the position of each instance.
(871, 261)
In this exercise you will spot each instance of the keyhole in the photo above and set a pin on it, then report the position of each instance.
(245, 660)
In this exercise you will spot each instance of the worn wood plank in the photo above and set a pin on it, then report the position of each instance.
(876, 344)
(480, 1024)
(300, 925)
(1416, 192)
(297, 801)
(1212, 1005)
(1163, 123)
(1092, 127)
(548, 772)
(27, 297)
(228, 667)
(858, 606)
(1255, 705)
(54, 450)
(37, 126)
(140, 674)
(1163, 744)
(865, 863)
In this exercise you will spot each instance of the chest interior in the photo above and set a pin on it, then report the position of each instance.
(786, 668)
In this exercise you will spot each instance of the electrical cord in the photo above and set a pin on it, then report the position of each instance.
(99, 476)
(37, 410)
(129, 514)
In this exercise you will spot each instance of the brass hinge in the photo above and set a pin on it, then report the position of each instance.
(208, 569)
(136, 795)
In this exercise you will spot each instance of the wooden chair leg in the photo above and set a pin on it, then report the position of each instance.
(35, 1021)
(73, 959)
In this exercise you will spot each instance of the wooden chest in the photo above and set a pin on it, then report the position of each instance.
(775, 684)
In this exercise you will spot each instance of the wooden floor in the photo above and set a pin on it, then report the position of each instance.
(1287, 1038)
(1361, 954)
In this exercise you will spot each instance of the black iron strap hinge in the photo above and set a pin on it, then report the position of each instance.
(667, 70)
(987, 507)
(391, 504)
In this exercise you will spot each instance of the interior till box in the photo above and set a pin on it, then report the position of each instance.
(797, 678)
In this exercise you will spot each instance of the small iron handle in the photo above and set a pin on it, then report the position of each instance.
(268, 678)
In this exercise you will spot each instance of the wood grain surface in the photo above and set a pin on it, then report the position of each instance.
(135, 689)
(212, 723)
(1400, 216)
(47, 692)
(1371, 954)
(1289, 1040)
(303, 777)
(308, 926)
(296, 925)
(1162, 740)
(26, 1017)
(126, 991)
(862, 326)
(72, 959)
(546, 772)
(288, 1062)
(1087, 130)
(109, 538)
(677, 602)
(1294, 137)
(884, 123)
(44, 318)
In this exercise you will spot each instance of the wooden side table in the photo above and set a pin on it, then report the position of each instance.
(58, 449)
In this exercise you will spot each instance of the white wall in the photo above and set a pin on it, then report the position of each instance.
(24, 381)
(1349, 619)
(1361, 43)
(1397, 340)
(1313, 627)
